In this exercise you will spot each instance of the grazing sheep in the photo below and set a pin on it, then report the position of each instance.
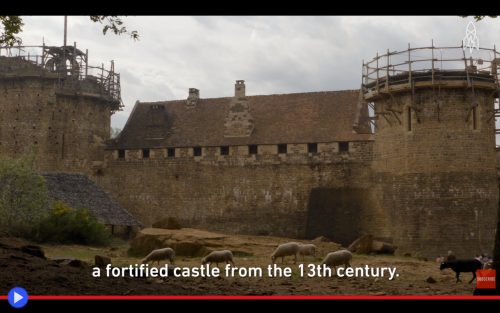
(338, 258)
(286, 249)
(160, 254)
(218, 257)
(459, 266)
(307, 249)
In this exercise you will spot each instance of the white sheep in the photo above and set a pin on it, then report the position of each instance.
(307, 249)
(218, 257)
(338, 258)
(286, 249)
(160, 254)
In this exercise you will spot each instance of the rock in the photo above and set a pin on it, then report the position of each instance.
(101, 261)
(71, 262)
(34, 251)
(167, 223)
(16, 257)
(78, 263)
(362, 245)
(321, 239)
(60, 279)
(191, 247)
(431, 280)
(143, 245)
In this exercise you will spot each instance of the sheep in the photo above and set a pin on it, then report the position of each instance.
(218, 257)
(338, 258)
(160, 254)
(307, 249)
(286, 249)
(459, 266)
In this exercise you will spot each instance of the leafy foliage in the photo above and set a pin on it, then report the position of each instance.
(11, 26)
(25, 209)
(24, 200)
(115, 24)
(480, 17)
(67, 225)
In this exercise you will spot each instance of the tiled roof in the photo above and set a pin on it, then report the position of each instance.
(288, 118)
(78, 191)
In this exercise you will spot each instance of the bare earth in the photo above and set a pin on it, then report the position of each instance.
(44, 276)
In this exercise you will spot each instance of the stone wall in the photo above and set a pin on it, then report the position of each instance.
(435, 171)
(267, 193)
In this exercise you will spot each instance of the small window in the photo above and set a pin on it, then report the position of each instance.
(145, 153)
(252, 149)
(282, 148)
(344, 147)
(121, 154)
(171, 152)
(197, 151)
(312, 147)
(224, 150)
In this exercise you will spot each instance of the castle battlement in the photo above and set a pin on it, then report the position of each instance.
(55, 105)
(67, 65)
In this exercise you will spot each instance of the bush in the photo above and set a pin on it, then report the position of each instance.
(24, 200)
(67, 225)
(25, 209)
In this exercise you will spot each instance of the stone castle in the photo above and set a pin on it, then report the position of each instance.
(409, 158)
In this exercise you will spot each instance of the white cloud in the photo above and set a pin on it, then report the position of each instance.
(273, 54)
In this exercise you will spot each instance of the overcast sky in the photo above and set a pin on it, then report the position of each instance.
(272, 54)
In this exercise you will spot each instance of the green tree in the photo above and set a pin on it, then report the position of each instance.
(66, 225)
(24, 200)
(12, 26)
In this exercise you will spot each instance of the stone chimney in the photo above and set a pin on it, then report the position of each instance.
(239, 89)
(193, 97)
(239, 121)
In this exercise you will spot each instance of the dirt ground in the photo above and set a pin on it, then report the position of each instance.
(47, 277)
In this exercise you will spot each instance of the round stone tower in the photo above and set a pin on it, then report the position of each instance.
(55, 106)
(434, 153)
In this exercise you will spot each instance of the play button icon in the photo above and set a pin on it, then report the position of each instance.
(18, 297)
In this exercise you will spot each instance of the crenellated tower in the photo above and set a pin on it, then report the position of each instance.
(434, 152)
(56, 106)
